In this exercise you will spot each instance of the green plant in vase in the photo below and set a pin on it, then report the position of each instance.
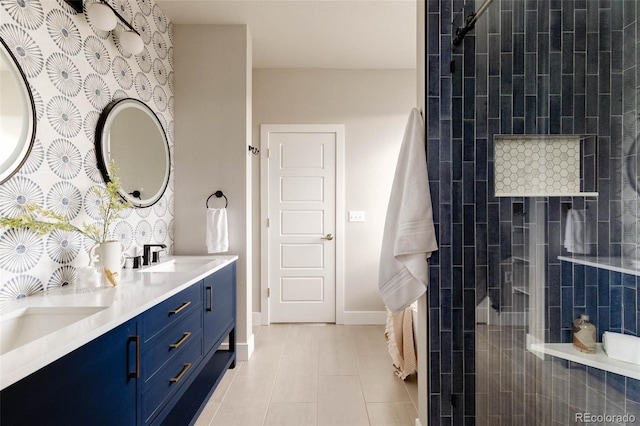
(106, 254)
(42, 221)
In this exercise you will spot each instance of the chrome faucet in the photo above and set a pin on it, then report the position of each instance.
(147, 258)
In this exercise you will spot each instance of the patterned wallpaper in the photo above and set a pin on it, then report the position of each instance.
(74, 70)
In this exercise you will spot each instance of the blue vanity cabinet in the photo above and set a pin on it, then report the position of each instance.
(172, 348)
(219, 321)
(94, 385)
(219, 313)
(160, 367)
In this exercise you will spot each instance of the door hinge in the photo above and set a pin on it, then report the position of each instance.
(268, 291)
(268, 223)
(268, 153)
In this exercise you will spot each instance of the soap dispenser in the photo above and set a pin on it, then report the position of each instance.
(584, 335)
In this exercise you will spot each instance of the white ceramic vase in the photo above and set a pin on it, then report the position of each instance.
(109, 255)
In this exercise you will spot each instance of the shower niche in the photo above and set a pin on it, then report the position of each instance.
(545, 165)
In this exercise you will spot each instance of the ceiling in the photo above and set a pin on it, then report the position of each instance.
(370, 34)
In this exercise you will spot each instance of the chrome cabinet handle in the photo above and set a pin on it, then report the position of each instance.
(328, 237)
(185, 336)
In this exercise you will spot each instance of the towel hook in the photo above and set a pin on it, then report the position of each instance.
(218, 194)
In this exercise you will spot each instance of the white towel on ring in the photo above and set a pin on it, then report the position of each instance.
(409, 235)
(217, 230)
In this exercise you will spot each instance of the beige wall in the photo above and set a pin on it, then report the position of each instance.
(374, 106)
(212, 84)
(213, 132)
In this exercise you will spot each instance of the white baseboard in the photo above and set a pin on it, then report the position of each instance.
(365, 317)
(349, 318)
(243, 350)
(418, 423)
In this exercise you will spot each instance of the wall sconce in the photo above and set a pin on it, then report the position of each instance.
(105, 18)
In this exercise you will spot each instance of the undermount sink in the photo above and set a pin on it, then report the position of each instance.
(178, 264)
(26, 325)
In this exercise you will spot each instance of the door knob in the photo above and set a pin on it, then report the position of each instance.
(328, 237)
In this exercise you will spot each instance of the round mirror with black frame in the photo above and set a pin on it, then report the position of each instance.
(130, 134)
(17, 115)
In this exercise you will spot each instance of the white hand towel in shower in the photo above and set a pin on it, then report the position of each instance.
(217, 230)
(577, 235)
(409, 235)
(622, 347)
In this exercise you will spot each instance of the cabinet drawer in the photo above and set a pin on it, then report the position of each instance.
(169, 343)
(173, 309)
(170, 378)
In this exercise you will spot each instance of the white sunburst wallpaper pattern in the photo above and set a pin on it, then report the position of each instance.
(74, 70)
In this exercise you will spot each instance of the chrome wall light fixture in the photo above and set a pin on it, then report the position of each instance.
(104, 17)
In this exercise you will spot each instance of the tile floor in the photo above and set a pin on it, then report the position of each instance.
(314, 374)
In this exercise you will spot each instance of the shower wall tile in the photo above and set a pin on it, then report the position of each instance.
(528, 67)
(610, 300)
(616, 51)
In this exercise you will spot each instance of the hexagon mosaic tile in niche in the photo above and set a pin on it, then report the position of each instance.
(537, 166)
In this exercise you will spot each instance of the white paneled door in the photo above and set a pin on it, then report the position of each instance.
(301, 217)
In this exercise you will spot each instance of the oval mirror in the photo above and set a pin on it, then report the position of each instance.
(130, 135)
(17, 115)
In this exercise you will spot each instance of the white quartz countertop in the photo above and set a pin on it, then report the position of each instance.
(137, 291)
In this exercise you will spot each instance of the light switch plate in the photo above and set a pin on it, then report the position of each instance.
(356, 216)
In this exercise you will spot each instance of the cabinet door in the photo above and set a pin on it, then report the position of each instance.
(89, 386)
(219, 305)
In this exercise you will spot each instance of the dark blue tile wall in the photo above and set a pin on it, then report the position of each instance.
(601, 299)
(530, 67)
(610, 298)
